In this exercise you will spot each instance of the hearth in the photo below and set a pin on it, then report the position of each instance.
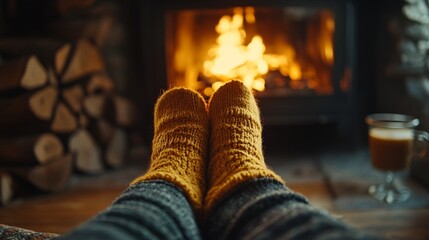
(298, 56)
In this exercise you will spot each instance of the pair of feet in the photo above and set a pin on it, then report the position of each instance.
(207, 150)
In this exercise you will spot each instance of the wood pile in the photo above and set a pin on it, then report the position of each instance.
(59, 109)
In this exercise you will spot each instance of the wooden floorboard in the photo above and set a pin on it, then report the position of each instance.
(58, 213)
(61, 212)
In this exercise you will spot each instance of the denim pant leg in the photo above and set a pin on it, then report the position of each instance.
(147, 210)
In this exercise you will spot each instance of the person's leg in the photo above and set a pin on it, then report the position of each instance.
(162, 203)
(246, 200)
(264, 208)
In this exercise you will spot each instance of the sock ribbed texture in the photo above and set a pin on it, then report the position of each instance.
(180, 143)
(236, 142)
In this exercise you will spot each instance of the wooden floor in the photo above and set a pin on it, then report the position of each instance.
(86, 197)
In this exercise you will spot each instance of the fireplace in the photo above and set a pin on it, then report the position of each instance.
(297, 56)
(274, 51)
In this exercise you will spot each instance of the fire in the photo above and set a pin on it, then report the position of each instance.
(233, 59)
(279, 63)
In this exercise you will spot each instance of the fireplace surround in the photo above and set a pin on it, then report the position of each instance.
(334, 106)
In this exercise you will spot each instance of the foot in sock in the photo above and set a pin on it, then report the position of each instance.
(235, 142)
(180, 143)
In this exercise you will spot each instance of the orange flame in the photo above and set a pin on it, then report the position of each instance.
(233, 59)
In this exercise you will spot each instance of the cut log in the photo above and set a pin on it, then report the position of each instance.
(116, 109)
(42, 102)
(23, 73)
(30, 150)
(83, 120)
(27, 113)
(48, 147)
(53, 176)
(117, 149)
(100, 84)
(52, 78)
(125, 111)
(87, 152)
(94, 105)
(50, 52)
(86, 60)
(6, 188)
(64, 121)
(14, 187)
(74, 97)
(61, 58)
(105, 131)
(102, 131)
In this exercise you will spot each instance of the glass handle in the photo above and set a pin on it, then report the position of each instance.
(422, 141)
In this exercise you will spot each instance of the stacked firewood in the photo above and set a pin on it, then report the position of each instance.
(59, 112)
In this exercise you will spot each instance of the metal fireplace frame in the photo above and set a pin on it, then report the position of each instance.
(338, 108)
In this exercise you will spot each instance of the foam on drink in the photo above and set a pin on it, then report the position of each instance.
(391, 134)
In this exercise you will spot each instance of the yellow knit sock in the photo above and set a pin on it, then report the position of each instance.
(180, 143)
(236, 142)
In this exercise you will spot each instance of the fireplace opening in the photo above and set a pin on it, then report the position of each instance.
(297, 57)
(275, 51)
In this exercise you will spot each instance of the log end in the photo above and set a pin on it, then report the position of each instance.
(35, 74)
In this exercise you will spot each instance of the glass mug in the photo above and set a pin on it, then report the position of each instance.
(393, 143)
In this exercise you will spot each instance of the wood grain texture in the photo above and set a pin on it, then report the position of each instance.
(63, 211)
(30, 150)
(25, 72)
